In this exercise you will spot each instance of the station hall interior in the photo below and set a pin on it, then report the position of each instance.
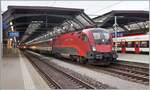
(74, 45)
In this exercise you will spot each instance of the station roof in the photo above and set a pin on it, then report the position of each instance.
(126, 19)
(34, 21)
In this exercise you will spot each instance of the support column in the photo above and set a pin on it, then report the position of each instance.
(1, 44)
(115, 27)
(1, 36)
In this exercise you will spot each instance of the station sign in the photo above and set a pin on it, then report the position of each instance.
(13, 34)
(119, 34)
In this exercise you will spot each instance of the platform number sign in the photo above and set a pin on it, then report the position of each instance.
(13, 34)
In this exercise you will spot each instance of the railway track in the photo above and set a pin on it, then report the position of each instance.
(51, 83)
(125, 71)
(135, 72)
(56, 78)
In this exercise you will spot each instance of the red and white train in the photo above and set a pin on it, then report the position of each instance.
(93, 45)
(138, 44)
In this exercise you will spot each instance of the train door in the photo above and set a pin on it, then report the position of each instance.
(123, 46)
(137, 47)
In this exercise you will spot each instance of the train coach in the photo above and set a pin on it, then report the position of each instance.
(137, 44)
(93, 45)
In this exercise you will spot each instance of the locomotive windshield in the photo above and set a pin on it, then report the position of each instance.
(101, 37)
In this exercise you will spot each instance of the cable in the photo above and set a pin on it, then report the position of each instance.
(108, 6)
(53, 3)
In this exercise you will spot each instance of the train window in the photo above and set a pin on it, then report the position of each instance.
(118, 44)
(130, 44)
(84, 38)
(144, 44)
(137, 44)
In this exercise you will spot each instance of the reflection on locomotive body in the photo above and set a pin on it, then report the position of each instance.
(93, 45)
(138, 44)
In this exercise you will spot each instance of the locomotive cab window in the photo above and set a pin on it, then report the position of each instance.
(101, 37)
(84, 38)
(98, 35)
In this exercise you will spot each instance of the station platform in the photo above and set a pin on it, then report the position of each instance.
(134, 58)
(18, 73)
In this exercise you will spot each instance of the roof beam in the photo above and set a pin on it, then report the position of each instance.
(139, 26)
(15, 16)
(123, 26)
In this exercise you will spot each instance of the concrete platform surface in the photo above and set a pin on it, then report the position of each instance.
(134, 58)
(18, 73)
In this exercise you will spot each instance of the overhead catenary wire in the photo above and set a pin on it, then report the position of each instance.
(53, 3)
(108, 6)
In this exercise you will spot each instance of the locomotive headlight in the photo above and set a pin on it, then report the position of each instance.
(93, 48)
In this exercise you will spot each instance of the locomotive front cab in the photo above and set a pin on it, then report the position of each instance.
(101, 46)
(102, 41)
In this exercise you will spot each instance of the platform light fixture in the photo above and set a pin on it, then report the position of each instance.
(11, 23)
(45, 36)
(129, 28)
(63, 27)
(71, 25)
(146, 24)
(10, 39)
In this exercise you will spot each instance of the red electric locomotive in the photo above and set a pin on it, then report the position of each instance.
(92, 45)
